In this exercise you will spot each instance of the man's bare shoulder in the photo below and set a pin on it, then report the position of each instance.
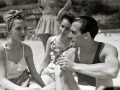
(109, 49)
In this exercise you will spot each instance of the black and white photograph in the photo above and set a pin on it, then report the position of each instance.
(59, 44)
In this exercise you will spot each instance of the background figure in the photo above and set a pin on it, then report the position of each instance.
(16, 57)
(48, 24)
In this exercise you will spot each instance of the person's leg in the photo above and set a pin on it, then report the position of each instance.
(44, 38)
(65, 80)
(47, 79)
(49, 87)
(33, 85)
(61, 82)
(60, 79)
(84, 87)
(25, 84)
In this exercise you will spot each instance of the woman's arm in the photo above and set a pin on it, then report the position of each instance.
(4, 82)
(31, 66)
(43, 64)
(39, 2)
(67, 5)
(40, 8)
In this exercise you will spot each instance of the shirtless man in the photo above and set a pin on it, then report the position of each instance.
(96, 63)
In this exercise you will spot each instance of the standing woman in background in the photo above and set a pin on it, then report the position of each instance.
(48, 24)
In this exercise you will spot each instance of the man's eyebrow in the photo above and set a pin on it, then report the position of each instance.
(72, 30)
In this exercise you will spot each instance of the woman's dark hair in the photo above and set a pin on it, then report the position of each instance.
(69, 16)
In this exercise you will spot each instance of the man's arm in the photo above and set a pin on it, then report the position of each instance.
(109, 67)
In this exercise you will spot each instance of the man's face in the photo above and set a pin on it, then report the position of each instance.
(75, 32)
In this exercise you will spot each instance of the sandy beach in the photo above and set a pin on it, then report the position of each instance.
(38, 51)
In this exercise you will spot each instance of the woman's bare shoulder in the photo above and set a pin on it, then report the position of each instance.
(27, 48)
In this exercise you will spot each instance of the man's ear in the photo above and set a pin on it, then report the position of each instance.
(86, 35)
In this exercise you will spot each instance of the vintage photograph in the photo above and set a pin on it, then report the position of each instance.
(59, 45)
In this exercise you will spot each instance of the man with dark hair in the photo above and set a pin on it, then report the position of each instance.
(96, 63)
(89, 24)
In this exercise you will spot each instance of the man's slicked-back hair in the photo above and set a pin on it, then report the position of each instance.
(69, 16)
(89, 24)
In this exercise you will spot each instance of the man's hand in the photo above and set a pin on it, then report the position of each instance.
(66, 63)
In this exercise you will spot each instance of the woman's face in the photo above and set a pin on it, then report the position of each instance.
(19, 30)
(65, 28)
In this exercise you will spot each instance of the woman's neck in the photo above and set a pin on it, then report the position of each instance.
(13, 44)
(65, 41)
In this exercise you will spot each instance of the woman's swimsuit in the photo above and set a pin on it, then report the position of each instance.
(50, 69)
(15, 70)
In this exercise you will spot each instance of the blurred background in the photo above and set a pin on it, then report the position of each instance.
(106, 12)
